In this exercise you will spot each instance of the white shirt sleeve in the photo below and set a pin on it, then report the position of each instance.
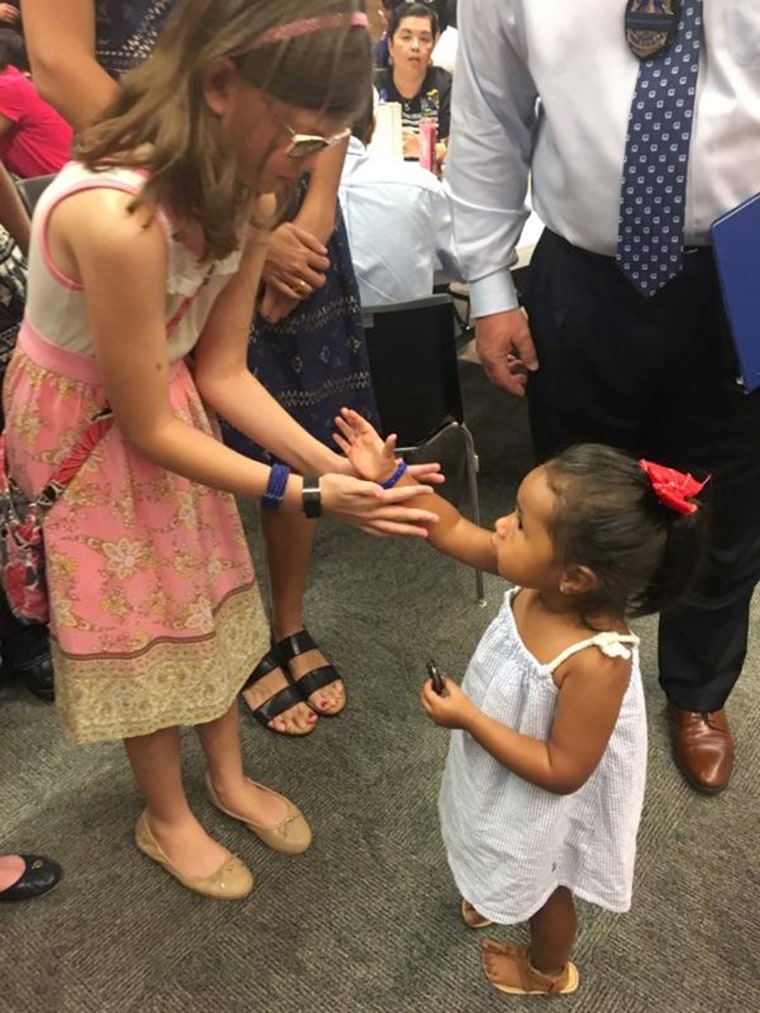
(442, 233)
(494, 119)
(445, 52)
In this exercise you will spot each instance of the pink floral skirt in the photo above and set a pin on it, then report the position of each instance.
(156, 618)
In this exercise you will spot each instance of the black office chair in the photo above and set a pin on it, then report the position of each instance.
(30, 190)
(415, 374)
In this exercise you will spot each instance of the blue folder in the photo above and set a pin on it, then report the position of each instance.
(736, 244)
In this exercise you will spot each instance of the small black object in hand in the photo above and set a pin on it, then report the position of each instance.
(436, 678)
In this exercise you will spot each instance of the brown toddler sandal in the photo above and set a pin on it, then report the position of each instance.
(278, 702)
(509, 969)
(299, 643)
(231, 881)
(472, 918)
(291, 837)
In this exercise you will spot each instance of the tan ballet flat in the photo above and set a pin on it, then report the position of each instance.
(291, 837)
(231, 881)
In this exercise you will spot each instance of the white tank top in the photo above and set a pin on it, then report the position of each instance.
(57, 308)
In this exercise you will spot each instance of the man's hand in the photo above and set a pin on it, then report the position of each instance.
(8, 14)
(505, 347)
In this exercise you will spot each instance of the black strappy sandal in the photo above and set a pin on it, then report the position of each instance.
(299, 643)
(278, 702)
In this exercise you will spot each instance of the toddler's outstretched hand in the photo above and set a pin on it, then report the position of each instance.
(451, 711)
(372, 457)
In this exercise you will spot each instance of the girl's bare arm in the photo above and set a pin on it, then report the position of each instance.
(121, 260)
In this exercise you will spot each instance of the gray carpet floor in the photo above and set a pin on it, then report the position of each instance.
(367, 919)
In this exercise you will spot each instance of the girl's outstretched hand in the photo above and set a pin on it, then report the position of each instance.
(455, 710)
(371, 456)
(375, 510)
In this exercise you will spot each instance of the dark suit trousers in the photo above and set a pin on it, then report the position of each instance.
(656, 377)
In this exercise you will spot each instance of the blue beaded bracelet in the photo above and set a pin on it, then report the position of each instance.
(275, 490)
(390, 482)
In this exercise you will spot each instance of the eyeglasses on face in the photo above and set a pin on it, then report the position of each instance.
(304, 145)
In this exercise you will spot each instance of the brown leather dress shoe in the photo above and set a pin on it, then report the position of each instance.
(703, 748)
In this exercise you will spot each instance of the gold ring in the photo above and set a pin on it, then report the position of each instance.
(303, 286)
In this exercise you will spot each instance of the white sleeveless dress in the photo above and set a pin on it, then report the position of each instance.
(510, 844)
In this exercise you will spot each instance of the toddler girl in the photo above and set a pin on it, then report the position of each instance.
(148, 247)
(544, 782)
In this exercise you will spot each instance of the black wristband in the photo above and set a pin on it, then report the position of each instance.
(312, 497)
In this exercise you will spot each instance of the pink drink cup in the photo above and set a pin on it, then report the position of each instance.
(428, 134)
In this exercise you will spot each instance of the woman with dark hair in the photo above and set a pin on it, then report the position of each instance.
(423, 91)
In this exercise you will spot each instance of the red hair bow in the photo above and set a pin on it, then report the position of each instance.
(673, 488)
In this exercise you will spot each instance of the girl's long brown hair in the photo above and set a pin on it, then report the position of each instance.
(160, 121)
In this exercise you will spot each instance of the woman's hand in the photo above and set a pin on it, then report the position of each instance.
(274, 306)
(8, 14)
(375, 510)
(296, 262)
(454, 710)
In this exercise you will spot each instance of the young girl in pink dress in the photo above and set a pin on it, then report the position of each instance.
(145, 249)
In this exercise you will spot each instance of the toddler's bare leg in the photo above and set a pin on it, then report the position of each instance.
(552, 932)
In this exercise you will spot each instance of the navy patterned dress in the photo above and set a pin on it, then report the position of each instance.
(314, 361)
(127, 32)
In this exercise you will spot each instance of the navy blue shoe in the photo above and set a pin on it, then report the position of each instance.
(40, 875)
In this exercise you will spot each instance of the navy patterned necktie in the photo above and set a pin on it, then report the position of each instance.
(653, 192)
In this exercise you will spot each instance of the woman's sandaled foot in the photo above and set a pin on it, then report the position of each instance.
(273, 818)
(471, 917)
(509, 969)
(275, 702)
(318, 682)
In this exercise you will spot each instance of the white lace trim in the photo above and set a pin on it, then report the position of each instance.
(186, 273)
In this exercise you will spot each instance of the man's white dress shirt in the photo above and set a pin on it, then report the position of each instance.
(399, 225)
(545, 87)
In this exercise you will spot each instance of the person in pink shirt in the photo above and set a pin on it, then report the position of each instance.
(34, 139)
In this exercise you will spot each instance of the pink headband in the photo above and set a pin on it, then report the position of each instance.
(306, 26)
